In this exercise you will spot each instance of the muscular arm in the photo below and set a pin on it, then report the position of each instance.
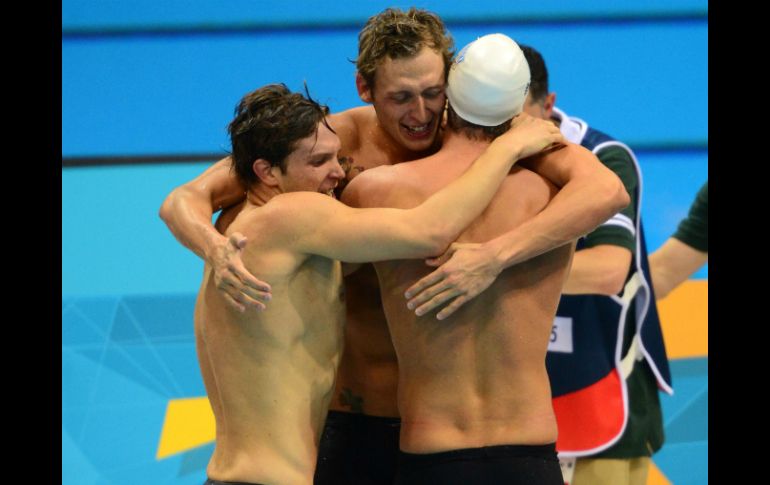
(188, 209)
(327, 227)
(187, 212)
(590, 194)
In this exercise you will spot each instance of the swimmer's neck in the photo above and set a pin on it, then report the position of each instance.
(260, 194)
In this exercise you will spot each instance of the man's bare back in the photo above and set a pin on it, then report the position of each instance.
(477, 378)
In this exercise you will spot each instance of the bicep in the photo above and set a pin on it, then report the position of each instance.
(554, 169)
(567, 164)
(218, 184)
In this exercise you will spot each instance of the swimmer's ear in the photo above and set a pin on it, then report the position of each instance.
(364, 92)
(266, 173)
(548, 104)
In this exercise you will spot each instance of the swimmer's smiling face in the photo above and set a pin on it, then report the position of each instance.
(313, 165)
(408, 96)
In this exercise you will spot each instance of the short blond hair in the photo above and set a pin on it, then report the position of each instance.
(398, 34)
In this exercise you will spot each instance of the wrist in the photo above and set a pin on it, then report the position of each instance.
(214, 241)
(496, 256)
(510, 152)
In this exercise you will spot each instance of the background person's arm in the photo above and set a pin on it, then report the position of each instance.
(686, 251)
(672, 264)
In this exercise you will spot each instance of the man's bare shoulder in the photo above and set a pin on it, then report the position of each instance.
(284, 215)
(349, 125)
(371, 187)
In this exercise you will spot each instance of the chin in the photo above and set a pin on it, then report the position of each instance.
(419, 145)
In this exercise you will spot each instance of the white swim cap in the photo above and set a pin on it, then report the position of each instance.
(489, 80)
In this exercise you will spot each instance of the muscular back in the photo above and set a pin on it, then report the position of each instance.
(477, 378)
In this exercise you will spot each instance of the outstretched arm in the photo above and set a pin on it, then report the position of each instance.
(187, 212)
(590, 194)
(360, 235)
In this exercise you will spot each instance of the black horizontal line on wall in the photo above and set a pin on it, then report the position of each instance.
(452, 22)
(109, 160)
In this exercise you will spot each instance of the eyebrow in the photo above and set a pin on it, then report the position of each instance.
(322, 154)
(409, 91)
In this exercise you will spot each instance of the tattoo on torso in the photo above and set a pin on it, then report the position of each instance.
(347, 398)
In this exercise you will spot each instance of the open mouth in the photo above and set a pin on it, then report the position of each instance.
(419, 131)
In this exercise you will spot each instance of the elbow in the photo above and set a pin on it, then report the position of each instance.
(438, 240)
(165, 209)
(436, 245)
(170, 205)
(614, 282)
(613, 195)
(619, 196)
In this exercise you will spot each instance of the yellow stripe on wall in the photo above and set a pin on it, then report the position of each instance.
(684, 320)
(656, 477)
(189, 423)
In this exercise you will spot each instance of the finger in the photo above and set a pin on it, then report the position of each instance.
(242, 300)
(264, 296)
(436, 301)
(425, 282)
(251, 302)
(234, 303)
(452, 307)
(234, 286)
(427, 294)
(249, 280)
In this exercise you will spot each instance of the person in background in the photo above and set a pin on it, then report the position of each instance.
(686, 250)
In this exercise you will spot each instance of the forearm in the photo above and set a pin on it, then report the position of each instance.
(672, 264)
(578, 208)
(188, 217)
(599, 270)
(445, 214)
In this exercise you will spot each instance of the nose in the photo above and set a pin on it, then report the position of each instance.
(337, 172)
(419, 110)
